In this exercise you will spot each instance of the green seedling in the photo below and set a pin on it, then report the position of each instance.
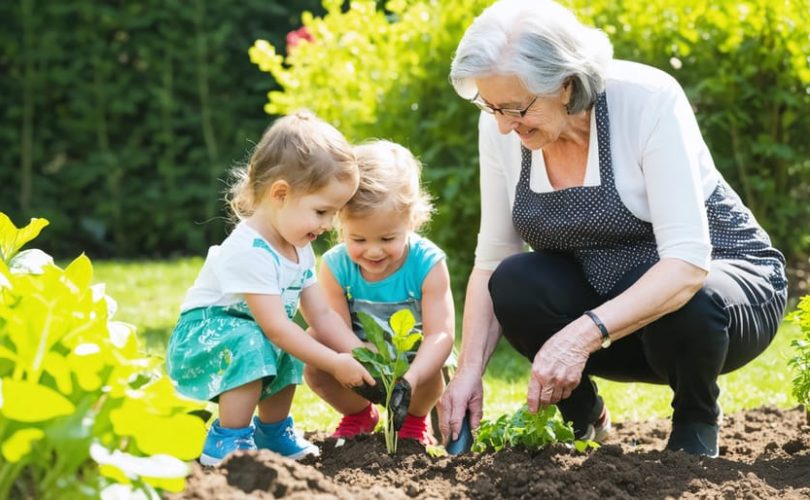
(390, 361)
(523, 428)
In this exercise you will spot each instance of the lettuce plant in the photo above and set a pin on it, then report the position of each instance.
(390, 361)
(81, 409)
(523, 428)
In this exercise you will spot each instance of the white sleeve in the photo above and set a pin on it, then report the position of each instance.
(671, 161)
(250, 270)
(497, 238)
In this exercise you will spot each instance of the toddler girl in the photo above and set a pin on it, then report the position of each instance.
(383, 266)
(235, 342)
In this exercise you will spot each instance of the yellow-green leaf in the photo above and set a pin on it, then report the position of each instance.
(80, 272)
(19, 444)
(174, 485)
(405, 343)
(86, 361)
(26, 401)
(402, 322)
(58, 367)
(113, 473)
(12, 239)
(181, 436)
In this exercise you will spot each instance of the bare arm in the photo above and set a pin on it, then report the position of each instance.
(480, 328)
(438, 325)
(271, 317)
(558, 366)
(331, 327)
(335, 298)
(664, 288)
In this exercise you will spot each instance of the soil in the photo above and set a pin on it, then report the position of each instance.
(764, 453)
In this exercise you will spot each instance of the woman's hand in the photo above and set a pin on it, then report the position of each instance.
(557, 368)
(465, 391)
(349, 372)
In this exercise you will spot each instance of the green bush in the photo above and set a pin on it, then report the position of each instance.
(383, 73)
(121, 118)
(81, 409)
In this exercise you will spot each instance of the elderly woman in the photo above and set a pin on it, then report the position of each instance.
(646, 266)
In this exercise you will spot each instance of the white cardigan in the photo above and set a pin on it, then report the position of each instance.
(663, 169)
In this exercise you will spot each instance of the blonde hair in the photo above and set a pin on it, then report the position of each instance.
(299, 148)
(389, 179)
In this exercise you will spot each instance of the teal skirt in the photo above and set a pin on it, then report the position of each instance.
(215, 349)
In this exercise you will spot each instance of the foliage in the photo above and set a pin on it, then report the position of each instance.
(121, 118)
(389, 362)
(383, 73)
(523, 428)
(745, 68)
(801, 361)
(76, 397)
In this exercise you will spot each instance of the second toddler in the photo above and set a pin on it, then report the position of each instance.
(383, 266)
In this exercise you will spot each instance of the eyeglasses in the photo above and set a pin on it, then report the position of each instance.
(484, 106)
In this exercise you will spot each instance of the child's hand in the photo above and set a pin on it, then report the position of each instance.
(349, 372)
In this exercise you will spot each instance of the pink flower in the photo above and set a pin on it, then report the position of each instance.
(295, 37)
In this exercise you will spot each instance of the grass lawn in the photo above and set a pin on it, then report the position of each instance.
(149, 295)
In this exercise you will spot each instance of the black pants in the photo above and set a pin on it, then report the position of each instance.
(729, 322)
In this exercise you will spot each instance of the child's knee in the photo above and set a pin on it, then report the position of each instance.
(316, 379)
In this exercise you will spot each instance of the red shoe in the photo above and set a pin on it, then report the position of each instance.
(417, 428)
(362, 422)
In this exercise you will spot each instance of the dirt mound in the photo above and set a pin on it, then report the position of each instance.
(764, 453)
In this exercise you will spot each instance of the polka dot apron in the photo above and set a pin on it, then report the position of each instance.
(593, 223)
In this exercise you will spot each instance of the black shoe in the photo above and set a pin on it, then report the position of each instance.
(597, 431)
(697, 438)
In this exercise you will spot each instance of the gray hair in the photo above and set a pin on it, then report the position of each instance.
(540, 42)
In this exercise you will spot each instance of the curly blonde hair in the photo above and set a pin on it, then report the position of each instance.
(389, 180)
(299, 148)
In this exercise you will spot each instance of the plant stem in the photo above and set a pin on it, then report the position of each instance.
(53, 474)
(8, 474)
(388, 430)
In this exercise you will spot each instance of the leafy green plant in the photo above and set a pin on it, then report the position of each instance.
(77, 399)
(390, 361)
(523, 428)
(801, 361)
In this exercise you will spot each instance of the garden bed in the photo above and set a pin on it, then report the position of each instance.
(764, 453)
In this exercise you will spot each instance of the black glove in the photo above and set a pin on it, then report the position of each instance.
(374, 393)
(400, 401)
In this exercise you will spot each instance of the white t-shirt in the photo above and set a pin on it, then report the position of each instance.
(246, 263)
(664, 172)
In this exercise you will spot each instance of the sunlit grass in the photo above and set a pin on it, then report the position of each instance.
(149, 295)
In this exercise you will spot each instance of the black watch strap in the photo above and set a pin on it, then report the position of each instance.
(602, 329)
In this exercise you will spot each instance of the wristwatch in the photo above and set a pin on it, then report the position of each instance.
(602, 329)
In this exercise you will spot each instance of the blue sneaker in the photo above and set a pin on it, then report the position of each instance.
(221, 442)
(281, 438)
